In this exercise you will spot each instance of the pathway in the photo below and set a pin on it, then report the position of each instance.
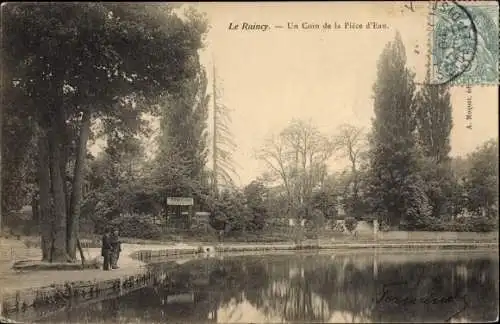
(11, 280)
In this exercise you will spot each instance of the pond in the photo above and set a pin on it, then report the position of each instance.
(386, 286)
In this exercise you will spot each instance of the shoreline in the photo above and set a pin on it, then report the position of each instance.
(32, 289)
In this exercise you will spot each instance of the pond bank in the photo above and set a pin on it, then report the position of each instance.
(28, 291)
(25, 291)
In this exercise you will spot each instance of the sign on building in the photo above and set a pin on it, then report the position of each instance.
(180, 201)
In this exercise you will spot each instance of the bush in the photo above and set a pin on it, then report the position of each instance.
(483, 224)
(350, 223)
(137, 226)
(466, 224)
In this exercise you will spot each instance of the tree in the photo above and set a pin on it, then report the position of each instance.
(440, 186)
(169, 176)
(183, 129)
(459, 167)
(222, 142)
(481, 183)
(350, 141)
(18, 152)
(118, 185)
(184, 123)
(351, 224)
(76, 62)
(326, 201)
(395, 188)
(230, 212)
(256, 197)
(434, 121)
(297, 159)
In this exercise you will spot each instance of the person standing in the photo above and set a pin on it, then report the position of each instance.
(106, 249)
(115, 248)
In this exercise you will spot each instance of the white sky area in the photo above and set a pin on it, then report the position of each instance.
(270, 77)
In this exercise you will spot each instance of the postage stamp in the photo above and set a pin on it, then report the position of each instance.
(464, 43)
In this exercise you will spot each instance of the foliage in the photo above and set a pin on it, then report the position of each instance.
(476, 224)
(179, 166)
(434, 121)
(350, 224)
(440, 186)
(256, 196)
(138, 226)
(350, 142)
(116, 186)
(481, 183)
(318, 218)
(230, 212)
(394, 187)
(297, 159)
(72, 63)
(184, 117)
(18, 156)
(325, 201)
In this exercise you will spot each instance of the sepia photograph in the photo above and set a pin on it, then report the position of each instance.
(249, 162)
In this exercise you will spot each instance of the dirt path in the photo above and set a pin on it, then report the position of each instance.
(11, 280)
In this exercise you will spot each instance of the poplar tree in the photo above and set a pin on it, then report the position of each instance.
(434, 123)
(395, 188)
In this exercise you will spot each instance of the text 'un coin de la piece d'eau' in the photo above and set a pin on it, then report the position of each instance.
(244, 26)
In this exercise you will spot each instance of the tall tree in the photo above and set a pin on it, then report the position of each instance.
(297, 159)
(223, 145)
(75, 62)
(184, 124)
(350, 142)
(256, 197)
(482, 180)
(395, 186)
(434, 121)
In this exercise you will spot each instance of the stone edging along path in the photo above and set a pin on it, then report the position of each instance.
(29, 293)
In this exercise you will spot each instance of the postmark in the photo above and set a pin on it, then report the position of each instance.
(464, 43)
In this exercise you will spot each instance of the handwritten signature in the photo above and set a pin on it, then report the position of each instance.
(412, 300)
(431, 299)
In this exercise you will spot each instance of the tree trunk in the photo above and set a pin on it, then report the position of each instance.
(34, 211)
(76, 187)
(44, 196)
(59, 217)
(82, 256)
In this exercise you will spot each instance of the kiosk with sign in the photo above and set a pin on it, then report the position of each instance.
(179, 212)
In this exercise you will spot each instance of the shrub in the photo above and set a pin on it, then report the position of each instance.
(318, 217)
(137, 226)
(350, 223)
(466, 224)
(483, 224)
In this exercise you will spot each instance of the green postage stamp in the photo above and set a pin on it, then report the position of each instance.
(464, 43)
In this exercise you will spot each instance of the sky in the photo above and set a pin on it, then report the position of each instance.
(324, 76)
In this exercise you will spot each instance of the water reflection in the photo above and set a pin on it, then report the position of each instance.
(349, 288)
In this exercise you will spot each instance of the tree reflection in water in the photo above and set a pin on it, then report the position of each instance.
(313, 288)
